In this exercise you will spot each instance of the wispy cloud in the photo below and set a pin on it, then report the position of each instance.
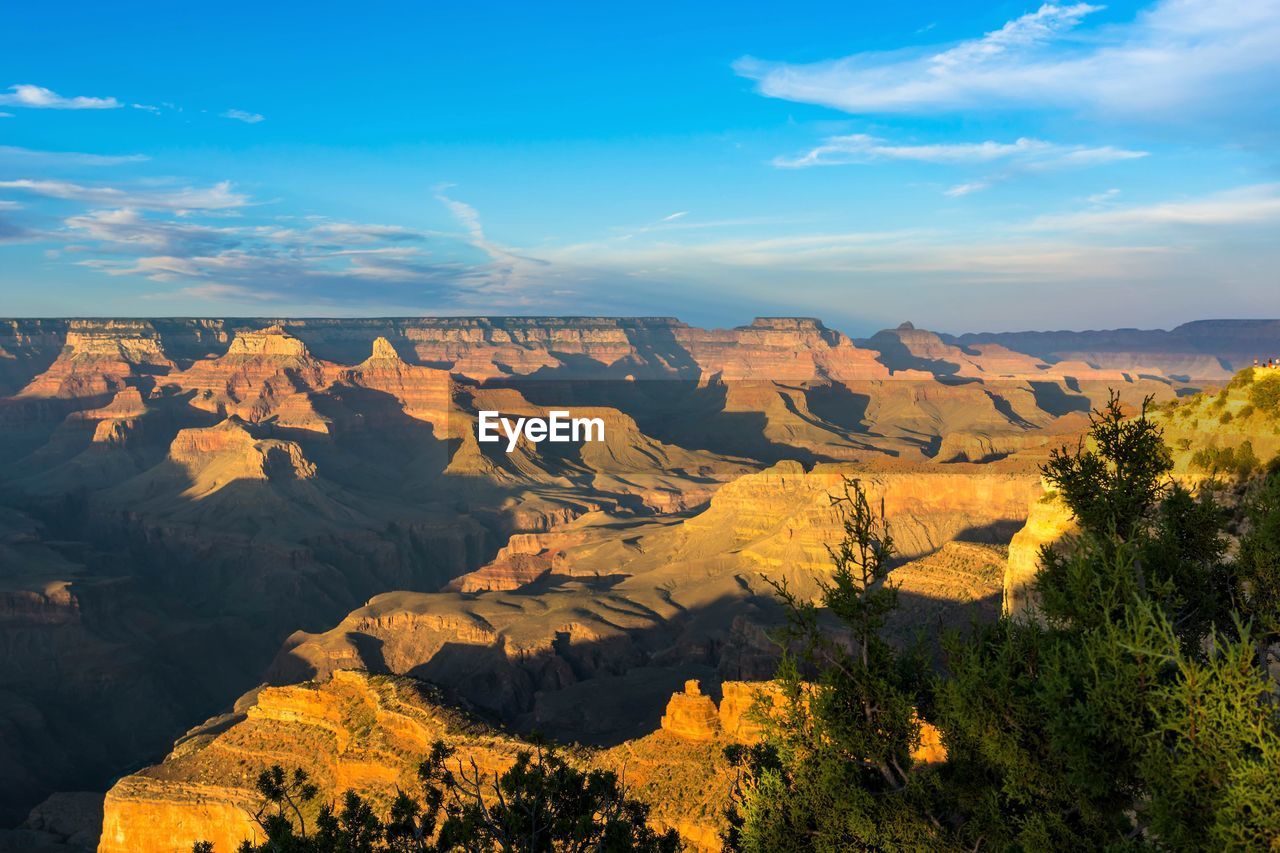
(1179, 60)
(31, 157)
(220, 196)
(241, 115)
(318, 262)
(509, 270)
(38, 97)
(131, 230)
(1249, 205)
(864, 148)
(214, 292)
(965, 189)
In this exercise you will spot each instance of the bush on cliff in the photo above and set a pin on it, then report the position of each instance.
(1132, 710)
(540, 804)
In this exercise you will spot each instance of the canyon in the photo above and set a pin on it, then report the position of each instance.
(220, 534)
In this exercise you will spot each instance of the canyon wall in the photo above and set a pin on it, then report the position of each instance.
(180, 497)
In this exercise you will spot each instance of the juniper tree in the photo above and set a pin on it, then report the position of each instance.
(834, 770)
(1132, 711)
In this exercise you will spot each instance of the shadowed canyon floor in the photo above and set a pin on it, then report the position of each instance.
(189, 508)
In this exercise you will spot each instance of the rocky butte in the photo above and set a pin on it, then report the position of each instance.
(193, 508)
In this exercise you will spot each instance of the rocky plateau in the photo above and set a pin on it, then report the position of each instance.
(191, 509)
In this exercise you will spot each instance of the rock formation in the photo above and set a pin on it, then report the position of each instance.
(1049, 522)
(691, 714)
(353, 732)
(179, 497)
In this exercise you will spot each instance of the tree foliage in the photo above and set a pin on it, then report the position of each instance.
(835, 767)
(1132, 709)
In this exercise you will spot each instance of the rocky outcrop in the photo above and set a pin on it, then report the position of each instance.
(209, 487)
(526, 558)
(216, 456)
(423, 393)
(691, 714)
(1049, 522)
(97, 361)
(265, 374)
(353, 732)
(606, 602)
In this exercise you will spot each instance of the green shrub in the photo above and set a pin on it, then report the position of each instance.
(1241, 379)
(1133, 713)
(1224, 418)
(1240, 461)
(1265, 395)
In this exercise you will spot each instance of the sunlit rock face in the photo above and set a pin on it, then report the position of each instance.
(599, 602)
(99, 359)
(367, 734)
(1049, 524)
(691, 714)
(1204, 432)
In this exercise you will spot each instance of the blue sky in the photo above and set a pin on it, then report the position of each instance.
(968, 166)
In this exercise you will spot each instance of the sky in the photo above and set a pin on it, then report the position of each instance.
(967, 166)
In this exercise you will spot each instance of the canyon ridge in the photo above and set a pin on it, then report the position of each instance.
(219, 534)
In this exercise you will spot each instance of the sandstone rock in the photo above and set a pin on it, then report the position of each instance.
(692, 715)
(179, 551)
(96, 362)
(356, 731)
(1048, 522)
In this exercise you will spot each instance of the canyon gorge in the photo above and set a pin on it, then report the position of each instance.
(218, 536)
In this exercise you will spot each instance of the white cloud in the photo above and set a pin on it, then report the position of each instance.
(241, 115)
(1241, 206)
(965, 189)
(6, 115)
(1180, 60)
(1030, 30)
(127, 228)
(863, 148)
(214, 292)
(348, 233)
(217, 197)
(38, 97)
(672, 217)
(509, 270)
(30, 156)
